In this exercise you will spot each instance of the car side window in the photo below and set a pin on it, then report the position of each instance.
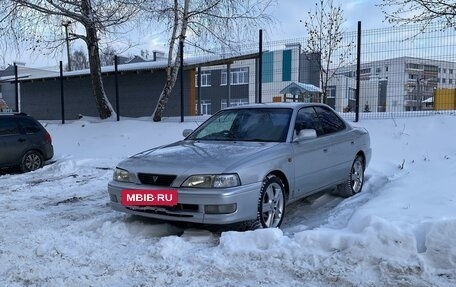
(330, 122)
(307, 119)
(30, 126)
(8, 126)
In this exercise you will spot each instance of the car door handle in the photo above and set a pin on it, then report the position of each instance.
(325, 150)
(21, 140)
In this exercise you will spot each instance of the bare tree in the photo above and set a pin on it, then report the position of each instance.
(38, 24)
(325, 37)
(79, 60)
(107, 56)
(145, 54)
(423, 12)
(211, 22)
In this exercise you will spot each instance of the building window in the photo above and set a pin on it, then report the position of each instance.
(286, 65)
(444, 70)
(331, 92)
(205, 79)
(378, 70)
(450, 81)
(268, 67)
(443, 80)
(386, 68)
(223, 79)
(239, 76)
(352, 94)
(205, 107)
(451, 71)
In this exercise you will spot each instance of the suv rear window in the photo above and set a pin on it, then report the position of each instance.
(30, 126)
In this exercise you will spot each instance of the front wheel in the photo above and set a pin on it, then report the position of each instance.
(355, 180)
(271, 204)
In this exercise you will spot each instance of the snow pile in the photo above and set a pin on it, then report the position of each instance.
(58, 229)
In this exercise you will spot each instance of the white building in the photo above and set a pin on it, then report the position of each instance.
(392, 85)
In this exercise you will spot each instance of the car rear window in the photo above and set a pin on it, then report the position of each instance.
(30, 126)
(330, 122)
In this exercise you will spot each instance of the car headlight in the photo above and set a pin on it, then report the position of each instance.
(212, 181)
(121, 175)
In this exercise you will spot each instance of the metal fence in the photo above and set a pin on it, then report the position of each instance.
(403, 71)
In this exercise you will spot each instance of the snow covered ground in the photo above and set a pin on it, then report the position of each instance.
(57, 229)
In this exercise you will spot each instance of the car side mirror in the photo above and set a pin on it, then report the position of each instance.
(187, 132)
(305, 134)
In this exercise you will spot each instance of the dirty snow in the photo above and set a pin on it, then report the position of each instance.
(57, 228)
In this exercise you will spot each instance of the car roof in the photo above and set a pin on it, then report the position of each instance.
(12, 114)
(289, 105)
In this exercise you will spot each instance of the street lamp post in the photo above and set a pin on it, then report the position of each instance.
(66, 24)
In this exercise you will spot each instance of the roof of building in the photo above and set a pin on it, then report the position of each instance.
(25, 74)
(297, 88)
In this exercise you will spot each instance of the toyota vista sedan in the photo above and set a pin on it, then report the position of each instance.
(244, 165)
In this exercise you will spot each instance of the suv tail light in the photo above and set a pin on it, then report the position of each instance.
(47, 137)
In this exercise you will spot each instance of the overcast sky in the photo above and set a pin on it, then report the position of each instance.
(288, 14)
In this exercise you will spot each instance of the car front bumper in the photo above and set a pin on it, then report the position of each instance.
(193, 203)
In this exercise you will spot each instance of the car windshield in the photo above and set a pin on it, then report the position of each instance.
(247, 124)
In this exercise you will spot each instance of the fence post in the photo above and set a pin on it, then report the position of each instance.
(228, 84)
(116, 81)
(199, 91)
(358, 71)
(181, 49)
(16, 87)
(260, 66)
(62, 98)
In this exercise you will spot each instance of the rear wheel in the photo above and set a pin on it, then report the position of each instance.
(355, 181)
(32, 160)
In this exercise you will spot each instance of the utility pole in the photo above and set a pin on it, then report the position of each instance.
(66, 24)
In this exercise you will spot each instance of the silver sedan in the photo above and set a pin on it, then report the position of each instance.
(244, 165)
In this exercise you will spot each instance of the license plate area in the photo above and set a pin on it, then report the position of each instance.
(160, 197)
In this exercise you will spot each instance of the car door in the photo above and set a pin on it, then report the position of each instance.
(11, 141)
(312, 157)
(340, 146)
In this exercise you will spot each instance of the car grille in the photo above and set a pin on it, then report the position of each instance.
(156, 179)
(168, 210)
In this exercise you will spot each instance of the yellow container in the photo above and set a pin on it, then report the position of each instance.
(445, 99)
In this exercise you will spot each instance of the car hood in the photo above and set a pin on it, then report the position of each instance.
(195, 157)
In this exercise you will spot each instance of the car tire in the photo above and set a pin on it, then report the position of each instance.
(355, 180)
(271, 204)
(32, 160)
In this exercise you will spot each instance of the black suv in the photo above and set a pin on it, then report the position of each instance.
(24, 142)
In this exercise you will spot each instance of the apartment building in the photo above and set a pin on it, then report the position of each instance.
(392, 85)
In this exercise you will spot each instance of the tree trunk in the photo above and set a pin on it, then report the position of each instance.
(166, 92)
(171, 70)
(104, 107)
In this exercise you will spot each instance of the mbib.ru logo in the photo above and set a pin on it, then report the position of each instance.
(165, 197)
